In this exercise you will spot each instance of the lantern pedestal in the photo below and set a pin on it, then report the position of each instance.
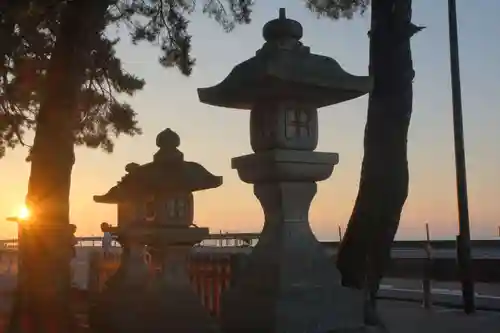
(119, 307)
(133, 270)
(290, 284)
(173, 304)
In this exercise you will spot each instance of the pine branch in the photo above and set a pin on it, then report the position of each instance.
(336, 9)
(29, 29)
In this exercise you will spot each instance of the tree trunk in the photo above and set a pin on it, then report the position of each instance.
(45, 245)
(365, 249)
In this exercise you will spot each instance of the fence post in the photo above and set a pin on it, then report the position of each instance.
(427, 271)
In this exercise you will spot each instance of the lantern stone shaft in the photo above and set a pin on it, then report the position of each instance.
(289, 285)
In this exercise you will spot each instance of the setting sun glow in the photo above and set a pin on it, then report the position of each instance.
(23, 213)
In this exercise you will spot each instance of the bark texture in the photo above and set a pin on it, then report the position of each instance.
(365, 249)
(45, 244)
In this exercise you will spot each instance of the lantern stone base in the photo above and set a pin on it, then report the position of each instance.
(119, 308)
(289, 284)
(135, 300)
(173, 305)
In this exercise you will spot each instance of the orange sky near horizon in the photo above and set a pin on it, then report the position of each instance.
(212, 136)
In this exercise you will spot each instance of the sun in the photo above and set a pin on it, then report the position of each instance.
(23, 213)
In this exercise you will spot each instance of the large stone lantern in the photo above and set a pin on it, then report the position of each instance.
(155, 212)
(289, 285)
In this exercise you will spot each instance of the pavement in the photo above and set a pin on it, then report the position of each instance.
(487, 295)
(407, 317)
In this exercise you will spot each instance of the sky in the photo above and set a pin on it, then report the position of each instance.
(211, 136)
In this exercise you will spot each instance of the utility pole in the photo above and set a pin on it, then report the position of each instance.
(463, 238)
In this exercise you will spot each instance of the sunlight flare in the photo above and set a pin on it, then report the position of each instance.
(23, 213)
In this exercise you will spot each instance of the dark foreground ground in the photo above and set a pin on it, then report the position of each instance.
(400, 317)
(406, 317)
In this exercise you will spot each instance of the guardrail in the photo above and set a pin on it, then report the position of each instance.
(218, 239)
(481, 249)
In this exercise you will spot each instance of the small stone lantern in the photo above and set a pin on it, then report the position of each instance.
(155, 211)
(289, 285)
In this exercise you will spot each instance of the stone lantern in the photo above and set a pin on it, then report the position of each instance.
(155, 212)
(289, 285)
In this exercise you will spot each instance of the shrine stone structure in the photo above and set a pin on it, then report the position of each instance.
(289, 284)
(155, 214)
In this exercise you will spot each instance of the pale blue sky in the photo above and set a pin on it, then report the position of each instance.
(213, 135)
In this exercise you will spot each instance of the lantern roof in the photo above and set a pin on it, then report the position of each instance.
(167, 174)
(284, 68)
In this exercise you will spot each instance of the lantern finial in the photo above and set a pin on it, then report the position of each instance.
(282, 28)
(282, 14)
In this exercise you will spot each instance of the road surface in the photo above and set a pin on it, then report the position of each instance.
(406, 317)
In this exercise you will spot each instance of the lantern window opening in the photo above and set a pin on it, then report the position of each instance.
(298, 123)
(176, 207)
(150, 210)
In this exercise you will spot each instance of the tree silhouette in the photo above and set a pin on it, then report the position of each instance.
(61, 78)
(365, 248)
